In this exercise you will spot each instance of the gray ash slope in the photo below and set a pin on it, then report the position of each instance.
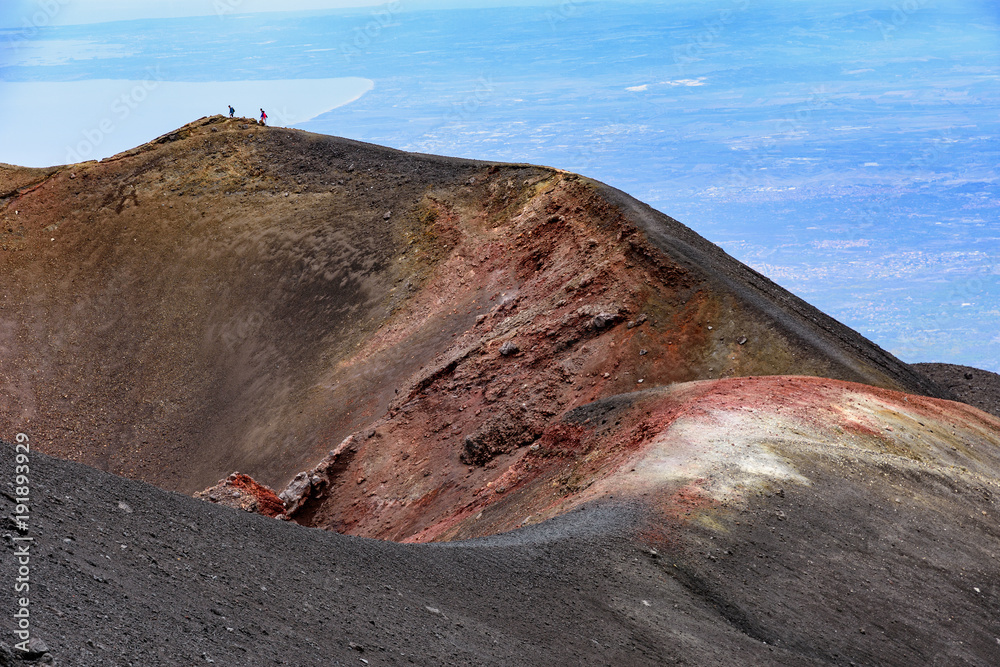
(978, 388)
(124, 573)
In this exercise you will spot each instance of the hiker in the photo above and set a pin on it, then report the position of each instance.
(231, 111)
(263, 117)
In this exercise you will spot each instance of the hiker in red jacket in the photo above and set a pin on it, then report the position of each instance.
(263, 117)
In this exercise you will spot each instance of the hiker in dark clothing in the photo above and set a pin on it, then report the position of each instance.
(231, 111)
(263, 117)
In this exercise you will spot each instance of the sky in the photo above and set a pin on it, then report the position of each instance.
(29, 14)
(32, 13)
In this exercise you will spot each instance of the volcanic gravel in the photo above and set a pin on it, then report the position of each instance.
(974, 386)
(123, 573)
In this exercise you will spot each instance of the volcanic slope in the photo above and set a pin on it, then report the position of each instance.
(641, 451)
(234, 297)
(969, 385)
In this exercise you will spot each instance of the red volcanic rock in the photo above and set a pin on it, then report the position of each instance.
(688, 450)
(243, 492)
(500, 434)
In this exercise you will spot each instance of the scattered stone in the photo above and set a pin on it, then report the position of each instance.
(388, 214)
(306, 484)
(509, 348)
(499, 435)
(356, 647)
(742, 340)
(643, 353)
(242, 492)
(603, 320)
(36, 649)
(509, 302)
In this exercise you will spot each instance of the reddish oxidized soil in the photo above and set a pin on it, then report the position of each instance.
(593, 451)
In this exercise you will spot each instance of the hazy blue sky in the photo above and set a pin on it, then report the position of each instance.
(25, 14)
